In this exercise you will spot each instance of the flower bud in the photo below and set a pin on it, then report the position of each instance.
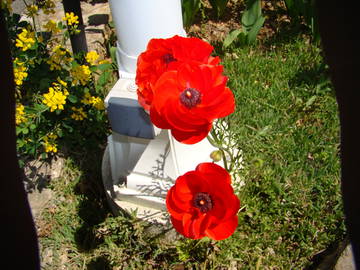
(216, 155)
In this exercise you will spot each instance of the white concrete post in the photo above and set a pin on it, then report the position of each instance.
(148, 164)
(138, 21)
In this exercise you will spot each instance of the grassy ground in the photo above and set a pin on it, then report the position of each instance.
(287, 126)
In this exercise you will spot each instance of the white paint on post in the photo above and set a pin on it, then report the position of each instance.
(138, 21)
(150, 166)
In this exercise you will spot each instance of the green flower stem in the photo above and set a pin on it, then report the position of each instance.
(222, 149)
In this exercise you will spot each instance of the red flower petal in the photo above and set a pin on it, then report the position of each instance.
(214, 172)
(163, 55)
(223, 230)
(192, 137)
(203, 203)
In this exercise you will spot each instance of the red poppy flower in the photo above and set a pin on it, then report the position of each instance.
(189, 99)
(203, 203)
(167, 54)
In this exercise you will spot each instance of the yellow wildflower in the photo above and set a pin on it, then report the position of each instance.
(51, 26)
(71, 18)
(20, 73)
(25, 40)
(55, 98)
(105, 61)
(50, 147)
(64, 84)
(86, 99)
(97, 102)
(91, 57)
(20, 114)
(32, 10)
(78, 114)
(59, 56)
(81, 74)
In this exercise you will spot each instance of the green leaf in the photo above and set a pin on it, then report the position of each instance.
(219, 5)
(252, 13)
(18, 130)
(264, 130)
(32, 126)
(103, 79)
(111, 24)
(310, 101)
(113, 54)
(60, 133)
(40, 107)
(67, 127)
(25, 130)
(104, 67)
(190, 8)
(72, 98)
(252, 34)
(229, 39)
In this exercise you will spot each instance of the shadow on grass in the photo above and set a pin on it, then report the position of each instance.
(99, 263)
(314, 75)
(92, 208)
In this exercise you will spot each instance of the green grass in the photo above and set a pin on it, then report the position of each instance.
(287, 126)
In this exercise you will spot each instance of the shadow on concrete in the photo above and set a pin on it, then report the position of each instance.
(98, 19)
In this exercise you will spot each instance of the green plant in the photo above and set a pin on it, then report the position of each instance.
(303, 11)
(251, 21)
(286, 125)
(59, 95)
(219, 6)
(189, 9)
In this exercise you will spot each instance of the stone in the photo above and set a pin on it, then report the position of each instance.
(39, 201)
(346, 260)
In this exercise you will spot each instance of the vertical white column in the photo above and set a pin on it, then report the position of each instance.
(138, 21)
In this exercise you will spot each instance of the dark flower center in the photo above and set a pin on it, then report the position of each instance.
(168, 58)
(203, 201)
(190, 97)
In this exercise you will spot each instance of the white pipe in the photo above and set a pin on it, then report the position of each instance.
(138, 21)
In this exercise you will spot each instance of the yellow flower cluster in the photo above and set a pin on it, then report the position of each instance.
(51, 26)
(25, 40)
(71, 18)
(32, 10)
(91, 57)
(105, 61)
(78, 114)
(20, 73)
(50, 146)
(81, 74)
(55, 98)
(64, 84)
(59, 56)
(20, 114)
(97, 102)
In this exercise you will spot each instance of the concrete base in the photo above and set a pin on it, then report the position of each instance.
(128, 204)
